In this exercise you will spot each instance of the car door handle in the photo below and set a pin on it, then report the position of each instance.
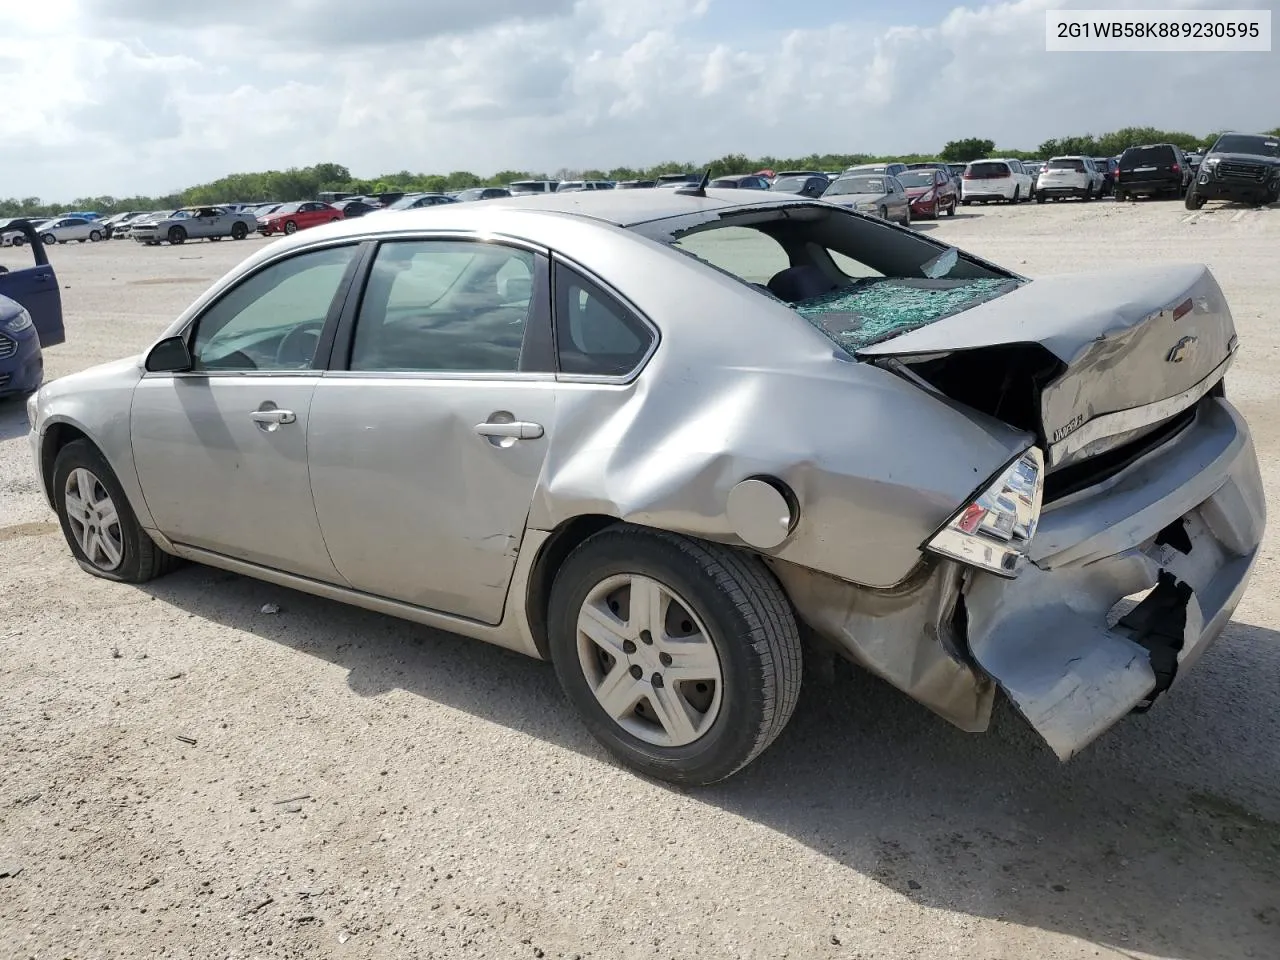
(272, 416)
(519, 429)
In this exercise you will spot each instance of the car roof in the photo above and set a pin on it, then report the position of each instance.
(618, 208)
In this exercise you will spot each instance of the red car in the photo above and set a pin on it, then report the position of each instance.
(292, 217)
(930, 192)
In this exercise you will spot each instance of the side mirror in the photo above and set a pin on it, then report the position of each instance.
(170, 355)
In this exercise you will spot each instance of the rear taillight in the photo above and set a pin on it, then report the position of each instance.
(968, 175)
(1177, 168)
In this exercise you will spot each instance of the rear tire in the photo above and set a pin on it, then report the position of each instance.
(139, 559)
(239, 231)
(728, 600)
(1039, 199)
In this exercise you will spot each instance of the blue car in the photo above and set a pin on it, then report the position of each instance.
(30, 313)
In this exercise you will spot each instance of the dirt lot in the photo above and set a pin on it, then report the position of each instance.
(360, 787)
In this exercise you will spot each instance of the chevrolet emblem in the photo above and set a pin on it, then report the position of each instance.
(1184, 349)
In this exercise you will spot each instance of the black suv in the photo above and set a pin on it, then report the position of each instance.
(1244, 167)
(1153, 169)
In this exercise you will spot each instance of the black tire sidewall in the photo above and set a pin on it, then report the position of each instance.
(81, 453)
(733, 735)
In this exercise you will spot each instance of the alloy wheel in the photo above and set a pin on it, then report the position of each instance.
(93, 518)
(649, 660)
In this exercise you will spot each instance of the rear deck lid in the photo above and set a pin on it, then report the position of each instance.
(1125, 340)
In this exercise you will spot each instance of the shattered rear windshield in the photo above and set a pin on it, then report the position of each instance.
(872, 309)
(856, 281)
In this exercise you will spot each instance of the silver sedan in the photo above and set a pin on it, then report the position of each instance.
(648, 435)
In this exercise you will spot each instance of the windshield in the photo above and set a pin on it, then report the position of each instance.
(1246, 143)
(849, 185)
(916, 178)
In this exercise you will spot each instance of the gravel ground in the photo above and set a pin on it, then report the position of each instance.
(185, 776)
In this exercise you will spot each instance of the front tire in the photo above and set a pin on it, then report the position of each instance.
(681, 656)
(100, 526)
(1193, 200)
(177, 236)
(290, 228)
(48, 239)
(95, 235)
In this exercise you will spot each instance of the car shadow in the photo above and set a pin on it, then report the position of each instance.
(1137, 844)
(13, 419)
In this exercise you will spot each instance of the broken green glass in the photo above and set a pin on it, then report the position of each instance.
(872, 309)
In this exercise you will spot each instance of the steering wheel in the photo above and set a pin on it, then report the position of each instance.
(298, 347)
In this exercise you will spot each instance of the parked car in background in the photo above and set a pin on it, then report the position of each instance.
(1152, 170)
(884, 169)
(636, 184)
(1193, 161)
(13, 234)
(412, 201)
(958, 169)
(939, 165)
(355, 208)
(1244, 167)
(995, 179)
(741, 181)
(872, 193)
(30, 311)
(781, 174)
(1107, 166)
(930, 191)
(570, 186)
(483, 193)
(82, 214)
(1071, 176)
(672, 180)
(520, 187)
(125, 231)
(195, 223)
(806, 185)
(65, 229)
(292, 217)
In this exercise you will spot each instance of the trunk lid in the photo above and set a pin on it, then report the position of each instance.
(1088, 362)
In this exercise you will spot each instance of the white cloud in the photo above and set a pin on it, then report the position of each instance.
(124, 96)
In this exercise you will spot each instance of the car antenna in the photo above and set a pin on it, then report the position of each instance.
(700, 190)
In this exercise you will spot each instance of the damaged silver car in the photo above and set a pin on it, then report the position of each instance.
(658, 437)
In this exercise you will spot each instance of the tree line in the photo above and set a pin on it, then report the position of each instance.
(306, 182)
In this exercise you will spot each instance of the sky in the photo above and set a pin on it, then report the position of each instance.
(121, 97)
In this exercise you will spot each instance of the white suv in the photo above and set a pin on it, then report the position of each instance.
(1069, 177)
(998, 179)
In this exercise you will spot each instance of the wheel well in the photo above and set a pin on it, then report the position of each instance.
(57, 436)
(563, 540)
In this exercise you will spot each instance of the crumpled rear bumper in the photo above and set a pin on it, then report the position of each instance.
(1183, 523)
